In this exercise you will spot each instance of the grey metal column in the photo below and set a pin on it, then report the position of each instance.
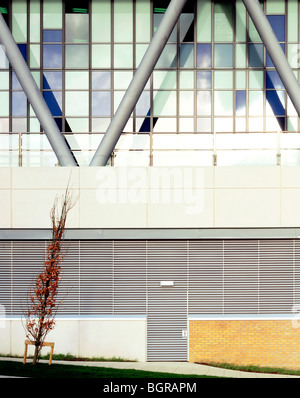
(54, 135)
(275, 51)
(138, 83)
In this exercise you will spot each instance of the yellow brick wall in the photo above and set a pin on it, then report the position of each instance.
(245, 342)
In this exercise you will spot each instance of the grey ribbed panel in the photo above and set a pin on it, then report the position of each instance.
(27, 260)
(276, 276)
(206, 277)
(6, 275)
(296, 302)
(129, 276)
(167, 306)
(241, 277)
(96, 277)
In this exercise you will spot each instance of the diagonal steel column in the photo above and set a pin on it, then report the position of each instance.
(54, 135)
(275, 51)
(138, 83)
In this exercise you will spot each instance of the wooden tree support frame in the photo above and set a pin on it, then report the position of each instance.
(44, 344)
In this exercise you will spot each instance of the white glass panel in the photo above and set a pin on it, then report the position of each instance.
(186, 79)
(223, 79)
(256, 79)
(223, 124)
(223, 103)
(165, 125)
(186, 125)
(4, 80)
(255, 103)
(77, 80)
(77, 103)
(131, 158)
(186, 103)
(101, 17)
(122, 80)
(101, 57)
(123, 55)
(204, 125)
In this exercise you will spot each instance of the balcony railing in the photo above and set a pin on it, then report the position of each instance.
(166, 149)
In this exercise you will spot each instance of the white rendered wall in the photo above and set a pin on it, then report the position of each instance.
(209, 197)
(124, 338)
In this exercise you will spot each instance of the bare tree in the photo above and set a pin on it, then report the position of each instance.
(42, 306)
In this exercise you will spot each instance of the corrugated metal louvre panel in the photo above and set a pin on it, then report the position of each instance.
(276, 276)
(205, 260)
(129, 273)
(241, 271)
(297, 277)
(27, 260)
(68, 291)
(6, 275)
(96, 277)
(167, 306)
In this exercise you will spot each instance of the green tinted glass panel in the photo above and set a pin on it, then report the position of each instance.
(164, 80)
(223, 17)
(76, 80)
(52, 17)
(123, 21)
(240, 80)
(168, 57)
(292, 19)
(223, 79)
(223, 55)
(186, 56)
(101, 55)
(19, 20)
(77, 56)
(186, 79)
(143, 20)
(77, 103)
(241, 24)
(122, 80)
(4, 80)
(241, 55)
(204, 20)
(34, 20)
(4, 64)
(101, 20)
(275, 7)
(164, 103)
(34, 54)
(256, 79)
(123, 55)
(223, 103)
(253, 34)
(78, 124)
(140, 50)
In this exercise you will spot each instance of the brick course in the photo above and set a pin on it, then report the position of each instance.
(273, 343)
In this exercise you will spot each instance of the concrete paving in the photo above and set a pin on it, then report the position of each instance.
(185, 368)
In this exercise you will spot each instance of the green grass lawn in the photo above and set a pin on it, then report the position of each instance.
(44, 370)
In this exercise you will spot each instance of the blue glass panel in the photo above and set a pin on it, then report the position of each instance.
(275, 102)
(277, 23)
(256, 55)
(52, 36)
(224, 55)
(203, 55)
(54, 102)
(52, 56)
(240, 102)
(101, 103)
(100, 80)
(23, 50)
(52, 80)
(204, 79)
(19, 103)
(268, 59)
(15, 82)
(273, 80)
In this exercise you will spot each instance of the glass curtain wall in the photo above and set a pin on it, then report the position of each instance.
(213, 95)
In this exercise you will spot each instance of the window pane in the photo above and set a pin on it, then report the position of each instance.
(203, 103)
(52, 55)
(34, 55)
(157, 18)
(101, 103)
(268, 59)
(240, 79)
(123, 21)
(143, 104)
(204, 125)
(203, 55)
(101, 57)
(240, 21)
(101, 20)
(100, 80)
(123, 55)
(52, 36)
(186, 79)
(186, 103)
(165, 125)
(52, 80)
(273, 80)
(292, 10)
(19, 21)
(100, 125)
(78, 125)
(255, 103)
(240, 102)
(256, 79)
(223, 21)
(4, 102)
(77, 28)
(241, 55)
(52, 14)
(186, 56)
(77, 56)
(77, 80)
(203, 20)
(4, 80)
(275, 102)
(19, 125)
(3, 59)
(223, 55)
(19, 104)
(168, 57)
(223, 103)
(77, 103)
(122, 80)
(277, 23)
(275, 6)
(256, 55)
(34, 21)
(164, 103)
(143, 20)
(223, 79)
(54, 102)
(164, 80)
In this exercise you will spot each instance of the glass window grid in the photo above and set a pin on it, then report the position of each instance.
(178, 70)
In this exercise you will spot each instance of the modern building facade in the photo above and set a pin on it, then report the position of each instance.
(184, 241)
